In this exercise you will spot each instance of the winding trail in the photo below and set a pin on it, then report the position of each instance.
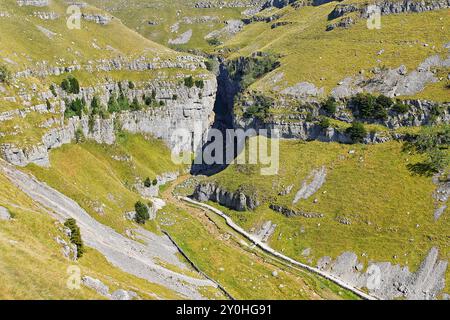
(277, 254)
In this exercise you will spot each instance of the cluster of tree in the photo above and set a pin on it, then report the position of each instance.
(5, 74)
(248, 70)
(148, 182)
(357, 132)
(190, 82)
(74, 108)
(260, 107)
(434, 143)
(75, 236)
(71, 85)
(369, 106)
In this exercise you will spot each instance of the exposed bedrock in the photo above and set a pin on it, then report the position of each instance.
(191, 111)
(388, 281)
(238, 200)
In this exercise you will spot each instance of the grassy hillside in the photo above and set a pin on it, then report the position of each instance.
(390, 209)
(32, 264)
(161, 21)
(88, 174)
(309, 53)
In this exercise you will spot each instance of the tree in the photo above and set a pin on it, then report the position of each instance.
(330, 105)
(142, 214)
(199, 84)
(434, 144)
(324, 123)
(135, 106)
(131, 85)
(113, 106)
(95, 105)
(189, 82)
(357, 132)
(5, 74)
(75, 236)
(148, 182)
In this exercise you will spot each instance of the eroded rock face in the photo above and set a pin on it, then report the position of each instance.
(388, 281)
(191, 111)
(234, 200)
(33, 3)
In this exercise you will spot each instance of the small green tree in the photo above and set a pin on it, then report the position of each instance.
(330, 105)
(135, 105)
(5, 74)
(189, 82)
(324, 123)
(199, 84)
(113, 105)
(142, 214)
(357, 132)
(95, 105)
(74, 85)
(148, 182)
(131, 85)
(75, 236)
(79, 135)
(53, 90)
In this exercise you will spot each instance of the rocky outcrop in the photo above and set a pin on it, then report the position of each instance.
(311, 185)
(103, 290)
(388, 7)
(237, 200)
(33, 3)
(191, 111)
(183, 38)
(4, 214)
(97, 18)
(290, 213)
(441, 195)
(388, 281)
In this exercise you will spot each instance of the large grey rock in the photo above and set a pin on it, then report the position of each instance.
(4, 214)
(238, 201)
(388, 281)
(311, 185)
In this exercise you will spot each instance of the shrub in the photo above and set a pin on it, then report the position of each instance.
(174, 97)
(49, 105)
(142, 214)
(71, 85)
(75, 236)
(371, 107)
(79, 135)
(260, 107)
(189, 82)
(400, 107)
(95, 106)
(53, 90)
(148, 183)
(330, 105)
(324, 123)
(162, 103)
(214, 42)
(74, 108)
(135, 106)
(199, 84)
(357, 132)
(113, 105)
(131, 85)
(5, 74)
(147, 100)
(123, 102)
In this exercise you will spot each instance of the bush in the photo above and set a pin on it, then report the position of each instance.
(53, 90)
(214, 42)
(147, 183)
(400, 107)
(5, 74)
(142, 214)
(74, 108)
(260, 107)
(147, 100)
(330, 105)
(189, 82)
(174, 97)
(95, 106)
(113, 105)
(371, 107)
(71, 85)
(75, 236)
(324, 123)
(131, 85)
(79, 135)
(357, 132)
(48, 104)
(199, 84)
(135, 106)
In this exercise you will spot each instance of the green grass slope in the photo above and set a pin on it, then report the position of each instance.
(309, 53)
(389, 208)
